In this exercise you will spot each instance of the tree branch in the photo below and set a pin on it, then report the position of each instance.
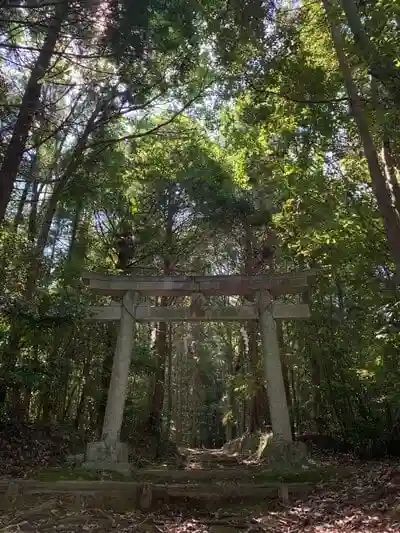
(296, 99)
(155, 128)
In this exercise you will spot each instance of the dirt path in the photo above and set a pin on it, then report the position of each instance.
(204, 459)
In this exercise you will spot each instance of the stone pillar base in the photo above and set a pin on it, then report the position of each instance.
(112, 456)
(283, 453)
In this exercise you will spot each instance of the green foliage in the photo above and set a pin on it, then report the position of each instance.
(201, 127)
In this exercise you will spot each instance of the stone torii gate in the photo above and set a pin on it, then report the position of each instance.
(129, 289)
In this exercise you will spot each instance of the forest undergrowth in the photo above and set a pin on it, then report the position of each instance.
(368, 501)
(356, 496)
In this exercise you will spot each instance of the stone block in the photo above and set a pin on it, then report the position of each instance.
(75, 459)
(281, 453)
(107, 451)
(109, 466)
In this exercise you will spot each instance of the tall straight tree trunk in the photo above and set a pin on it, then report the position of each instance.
(391, 218)
(169, 386)
(316, 373)
(285, 371)
(230, 424)
(111, 340)
(157, 400)
(21, 204)
(74, 233)
(196, 389)
(33, 213)
(181, 351)
(295, 401)
(240, 366)
(154, 420)
(258, 407)
(29, 105)
(80, 411)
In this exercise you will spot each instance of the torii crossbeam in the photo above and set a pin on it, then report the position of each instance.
(129, 311)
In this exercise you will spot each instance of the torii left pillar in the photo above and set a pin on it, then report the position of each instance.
(273, 371)
(282, 449)
(110, 453)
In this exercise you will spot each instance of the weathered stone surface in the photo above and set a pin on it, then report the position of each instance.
(109, 466)
(247, 444)
(264, 439)
(114, 285)
(120, 371)
(128, 495)
(108, 451)
(110, 456)
(281, 453)
(264, 447)
(278, 407)
(76, 459)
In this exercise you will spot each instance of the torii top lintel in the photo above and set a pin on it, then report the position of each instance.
(277, 284)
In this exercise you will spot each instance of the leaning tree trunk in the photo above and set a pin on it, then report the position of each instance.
(390, 216)
(381, 67)
(29, 105)
(387, 157)
(391, 170)
(52, 204)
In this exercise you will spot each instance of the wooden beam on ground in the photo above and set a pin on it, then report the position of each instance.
(145, 313)
(277, 284)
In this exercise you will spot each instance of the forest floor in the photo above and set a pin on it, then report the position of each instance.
(354, 497)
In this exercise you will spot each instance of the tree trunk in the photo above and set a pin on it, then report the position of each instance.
(69, 171)
(30, 101)
(154, 420)
(169, 386)
(181, 350)
(230, 424)
(242, 405)
(258, 413)
(315, 369)
(285, 372)
(157, 400)
(195, 392)
(258, 408)
(74, 233)
(56, 235)
(80, 411)
(21, 204)
(388, 160)
(391, 171)
(33, 213)
(111, 340)
(391, 218)
(381, 67)
(295, 401)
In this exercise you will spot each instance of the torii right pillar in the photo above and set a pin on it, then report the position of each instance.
(278, 406)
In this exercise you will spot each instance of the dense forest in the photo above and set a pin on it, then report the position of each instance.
(211, 137)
